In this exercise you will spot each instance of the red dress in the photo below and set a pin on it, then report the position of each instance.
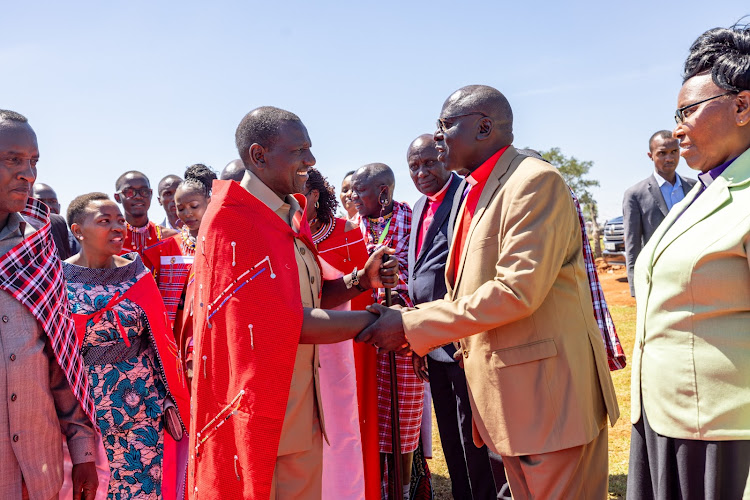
(247, 320)
(344, 250)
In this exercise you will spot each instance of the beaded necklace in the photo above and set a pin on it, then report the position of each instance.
(140, 236)
(381, 225)
(188, 241)
(324, 231)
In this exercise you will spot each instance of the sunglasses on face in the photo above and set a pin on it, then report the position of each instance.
(132, 192)
(444, 124)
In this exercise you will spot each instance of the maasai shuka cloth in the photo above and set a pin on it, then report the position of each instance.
(171, 263)
(247, 321)
(615, 354)
(398, 239)
(410, 388)
(32, 273)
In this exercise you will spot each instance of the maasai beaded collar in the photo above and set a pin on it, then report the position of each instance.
(382, 227)
(188, 241)
(140, 236)
(324, 231)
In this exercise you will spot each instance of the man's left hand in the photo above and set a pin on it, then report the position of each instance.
(387, 332)
(378, 274)
(85, 481)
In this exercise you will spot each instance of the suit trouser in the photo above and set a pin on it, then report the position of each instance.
(580, 472)
(299, 476)
(469, 467)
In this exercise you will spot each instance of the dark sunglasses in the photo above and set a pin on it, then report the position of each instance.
(132, 192)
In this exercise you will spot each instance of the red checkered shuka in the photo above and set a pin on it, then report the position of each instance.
(172, 262)
(398, 239)
(32, 273)
(615, 354)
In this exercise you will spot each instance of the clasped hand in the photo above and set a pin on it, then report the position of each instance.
(379, 274)
(387, 332)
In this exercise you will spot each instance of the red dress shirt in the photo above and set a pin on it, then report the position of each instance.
(477, 180)
(433, 203)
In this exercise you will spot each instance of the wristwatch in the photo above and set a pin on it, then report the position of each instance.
(355, 281)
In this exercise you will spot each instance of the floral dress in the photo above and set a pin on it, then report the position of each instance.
(125, 377)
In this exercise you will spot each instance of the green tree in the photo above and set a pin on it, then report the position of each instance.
(574, 172)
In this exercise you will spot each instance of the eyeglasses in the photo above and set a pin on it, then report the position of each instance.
(445, 123)
(679, 115)
(132, 192)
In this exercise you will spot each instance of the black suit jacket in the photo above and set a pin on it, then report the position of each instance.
(427, 270)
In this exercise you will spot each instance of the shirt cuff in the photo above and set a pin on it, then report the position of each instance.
(411, 321)
(82, 450)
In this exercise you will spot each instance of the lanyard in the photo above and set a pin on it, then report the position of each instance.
(385, 232)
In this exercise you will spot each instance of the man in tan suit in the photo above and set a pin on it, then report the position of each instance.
(518, 301)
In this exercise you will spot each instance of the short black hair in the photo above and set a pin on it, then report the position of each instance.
(350, 172)
(199, 177)
(260, 126)
(6, 114)
(725, 54)
(664, 134)
(327, 194)
(77, 207)
(167, 178)
(130, 173)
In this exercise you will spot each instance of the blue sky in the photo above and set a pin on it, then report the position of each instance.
(157, 86)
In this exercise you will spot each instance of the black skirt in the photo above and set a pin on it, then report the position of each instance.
(667, 468)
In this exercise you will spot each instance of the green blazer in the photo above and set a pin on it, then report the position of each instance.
(691, 361)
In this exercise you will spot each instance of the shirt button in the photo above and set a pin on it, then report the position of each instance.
(312, 280)
(12, 357)
(13, 397)
(15, 438)
(5, 319)
(302, 251)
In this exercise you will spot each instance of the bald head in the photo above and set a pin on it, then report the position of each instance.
(376, 173)
(419, 144)
(46, 195)
(476, 122)
(485, 100)
(234, 171)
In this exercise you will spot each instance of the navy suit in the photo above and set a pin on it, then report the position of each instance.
(469, 467)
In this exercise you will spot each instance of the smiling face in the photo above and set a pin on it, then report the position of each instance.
(19, 154)
(346, 196)
(427, 172)
(102, 228)
(137, 205)
(283, 166)
(191, 206)
(708, 132)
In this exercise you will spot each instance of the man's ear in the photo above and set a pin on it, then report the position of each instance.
(485, 128)
(650, 155)
(117, 198)
(257, 155)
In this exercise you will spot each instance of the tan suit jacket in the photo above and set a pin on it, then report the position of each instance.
(691, 361)
(521, 306)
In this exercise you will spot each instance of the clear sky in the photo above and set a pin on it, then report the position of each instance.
(158, 86)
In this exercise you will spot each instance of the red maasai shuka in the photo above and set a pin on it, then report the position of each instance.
(247, 320)
(135, 242)
(32, 273)
(171, 265)
(146, 294)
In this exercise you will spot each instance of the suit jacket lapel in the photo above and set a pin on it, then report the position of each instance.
(437, 221)
(494, 182)
(416, 217)
(653, 188)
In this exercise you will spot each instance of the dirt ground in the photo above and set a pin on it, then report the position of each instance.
(614, 281)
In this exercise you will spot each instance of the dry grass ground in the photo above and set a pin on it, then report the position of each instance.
(622, 307)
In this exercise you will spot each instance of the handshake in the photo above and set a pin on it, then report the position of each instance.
(387, 332)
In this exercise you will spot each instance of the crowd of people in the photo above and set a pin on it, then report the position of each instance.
(258, 344)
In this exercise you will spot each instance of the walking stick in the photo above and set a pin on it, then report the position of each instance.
(395, 428)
